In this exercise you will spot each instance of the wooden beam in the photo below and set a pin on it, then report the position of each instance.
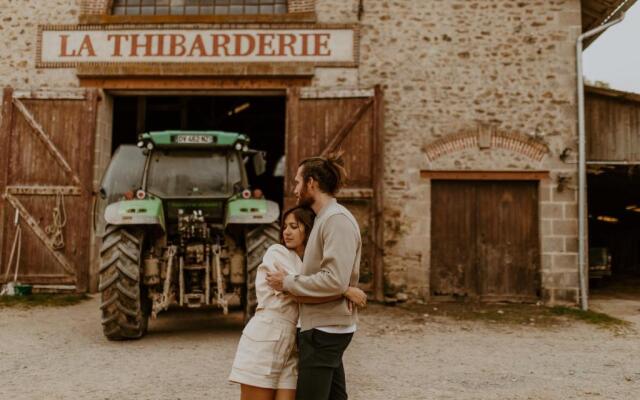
(378, 190)
(188, 83)
(315, 93)
(241, 70)
(355, 193)
(79, 94)
(343, 132)
(5, 139)
(485, 175)
(35, 190)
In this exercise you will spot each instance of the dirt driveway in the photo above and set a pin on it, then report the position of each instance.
(60, 353)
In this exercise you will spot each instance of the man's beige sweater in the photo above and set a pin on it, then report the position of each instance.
(331, 264)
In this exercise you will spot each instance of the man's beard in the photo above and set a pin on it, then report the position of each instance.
(304, 199)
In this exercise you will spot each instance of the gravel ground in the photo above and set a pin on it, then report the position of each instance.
(60, 353)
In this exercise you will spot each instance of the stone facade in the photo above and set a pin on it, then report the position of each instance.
(446, 68)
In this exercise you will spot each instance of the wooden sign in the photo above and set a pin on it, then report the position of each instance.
(69, 46)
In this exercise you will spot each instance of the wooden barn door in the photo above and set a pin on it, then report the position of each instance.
(323, 121)
(485, 240)
(46, 165)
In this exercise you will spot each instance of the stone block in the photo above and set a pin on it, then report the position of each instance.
(551, 210)
(552, 244)
(563, 279)
(565, 261)
(568, 18)
(545, 193)
(570, 210)
(571, 244)
(546, 227)
(565, 227)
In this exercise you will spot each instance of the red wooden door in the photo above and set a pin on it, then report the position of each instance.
(322, 121)
(46, 168)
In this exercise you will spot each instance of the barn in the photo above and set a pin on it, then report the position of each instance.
(458, 120)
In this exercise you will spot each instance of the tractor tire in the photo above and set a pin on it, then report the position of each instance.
(125, 306)
(257, 242)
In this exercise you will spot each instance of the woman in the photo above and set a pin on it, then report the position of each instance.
(266, 360)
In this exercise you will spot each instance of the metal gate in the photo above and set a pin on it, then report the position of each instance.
(46, 166)
(322, 121)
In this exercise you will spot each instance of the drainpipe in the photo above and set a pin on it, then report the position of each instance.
(582, 164)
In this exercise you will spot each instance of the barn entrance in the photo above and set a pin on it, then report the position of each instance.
(485, 241)
(259, 115)
(614, 229)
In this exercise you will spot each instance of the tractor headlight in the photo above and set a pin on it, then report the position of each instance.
(238, 146)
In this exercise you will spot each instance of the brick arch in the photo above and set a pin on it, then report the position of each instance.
(99, 7)
(517, 142)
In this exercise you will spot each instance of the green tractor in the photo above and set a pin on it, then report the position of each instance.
(181, 228)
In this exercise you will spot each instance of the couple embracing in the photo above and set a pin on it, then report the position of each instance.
(307, 296)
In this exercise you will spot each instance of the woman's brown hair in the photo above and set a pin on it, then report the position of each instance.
(328, 171)
(304, 216)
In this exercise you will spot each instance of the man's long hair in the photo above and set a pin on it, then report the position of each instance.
(328, 171)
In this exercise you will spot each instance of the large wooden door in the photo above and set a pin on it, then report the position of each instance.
(485, 240)
(322, 121)
(46, 168)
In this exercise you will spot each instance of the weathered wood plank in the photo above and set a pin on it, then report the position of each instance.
(79, 94)
(5, 139)
(40, 234)
(377, 170)
(311, 93)
(340, 136)
(485, 175)
(38, 190)
(612, 126)
(42, 135)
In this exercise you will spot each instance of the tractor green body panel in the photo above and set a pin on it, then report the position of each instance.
(209, 139)
(251, 211)
(136, 212)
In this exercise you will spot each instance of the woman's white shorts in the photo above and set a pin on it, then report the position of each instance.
(267, 356)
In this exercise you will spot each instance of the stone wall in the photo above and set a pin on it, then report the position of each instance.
(447, 67)
(19, 20)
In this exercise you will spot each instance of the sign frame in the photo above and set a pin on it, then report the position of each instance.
(355, 28)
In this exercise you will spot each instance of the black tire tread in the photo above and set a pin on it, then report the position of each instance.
(121, 303)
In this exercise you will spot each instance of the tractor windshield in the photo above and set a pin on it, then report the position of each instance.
(193, 173)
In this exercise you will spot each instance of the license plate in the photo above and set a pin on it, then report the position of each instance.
(193, 139)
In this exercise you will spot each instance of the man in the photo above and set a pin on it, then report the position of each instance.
(331, 264)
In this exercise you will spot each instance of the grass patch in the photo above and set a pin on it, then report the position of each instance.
(513, 314)
(42, 300)
(590, 317)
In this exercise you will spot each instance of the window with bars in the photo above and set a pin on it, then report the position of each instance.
(198, 7)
